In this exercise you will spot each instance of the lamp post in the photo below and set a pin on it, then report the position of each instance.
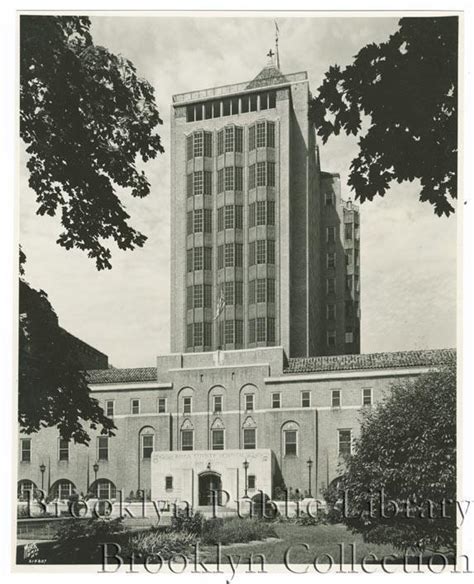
(309, 462)
(246, 466)
(42, 469)
(95, 468)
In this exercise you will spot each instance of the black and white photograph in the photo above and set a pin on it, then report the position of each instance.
(237, 268)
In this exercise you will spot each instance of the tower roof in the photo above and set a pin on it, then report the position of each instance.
(269, 75)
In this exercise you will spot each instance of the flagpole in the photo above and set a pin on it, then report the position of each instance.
(276, 44)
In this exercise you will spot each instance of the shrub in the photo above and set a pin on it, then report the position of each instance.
(164, 543)
(95, 529)
(187, 520)
(263, 507)
(236, 530)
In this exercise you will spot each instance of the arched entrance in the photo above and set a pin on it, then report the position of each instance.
(209, 483)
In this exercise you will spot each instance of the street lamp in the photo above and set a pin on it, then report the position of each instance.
(42, 469)
(95, 468)
(309, 462)
(246, 466)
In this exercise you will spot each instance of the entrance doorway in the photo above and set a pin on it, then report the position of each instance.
(209, 483)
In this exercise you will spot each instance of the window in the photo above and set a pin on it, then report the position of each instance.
(229, 178)
(276, 400)
(187, 402)
(208, 143)
(250, 439)
(135, 406)
(305, 399)
(261, 329)
(168, 483)
(261, 212)
(249, 402)
(270, 329)
(348, 231)
(261, 255)
(336, 398)
(260, 134)
(331, 338)
(331, 234)
(217, 439)
(217, 404)
(270, 290)
(261, 290)
(331, 261)
(105, 489)
(109, 408)
(331, 285)
(261, 174)
(253, 102)
(271, 133)
(187, 442)
(252, 138)
(189, 147)
(252, 330)
(349, 337)
(348, 257)
(331, 311)
(161, 405)
(198, 181)
(148, 441)
(270, 174)
(64, 490)
(252, 176)
(239, 139)
(199, 258)
(63, 450)
(345, 442)
(251, 482)
(198, 144)
(252, 215)
(329, 199)
(102, 448)
(220, 142)
(25, 450)
(367, 397)
(291, 442)
(198, 334)
(229, 139)
(349, 283)
(229, 332)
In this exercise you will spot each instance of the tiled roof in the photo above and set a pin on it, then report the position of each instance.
(269, 75)
(370, 361)
(134, 375)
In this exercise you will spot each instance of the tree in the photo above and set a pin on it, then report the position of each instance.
(52, 388)
(404, 459)
(406, 88)
(85, 117)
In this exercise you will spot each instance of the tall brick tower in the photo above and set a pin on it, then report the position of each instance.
(263, 250)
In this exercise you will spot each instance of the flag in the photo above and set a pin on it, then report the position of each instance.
(220, 303)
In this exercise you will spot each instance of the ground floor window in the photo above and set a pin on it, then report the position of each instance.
(25, 490)
(104, 489)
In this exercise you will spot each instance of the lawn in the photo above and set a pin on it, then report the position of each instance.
(303, 544)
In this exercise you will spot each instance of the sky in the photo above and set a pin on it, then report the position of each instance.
(408, 254)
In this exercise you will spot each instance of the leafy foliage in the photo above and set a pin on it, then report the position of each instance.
(187, 520)
(85, 117)
(52, 387)
(236, 530)
(405, 459)
(98, 530)
(166, 544)
(407, 87)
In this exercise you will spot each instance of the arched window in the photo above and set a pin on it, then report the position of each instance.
(103, 489)
(62, 489)
(147, 444)
(187, 435)
(290, 432)
(217, 434)
(25, 490)
(249, 433)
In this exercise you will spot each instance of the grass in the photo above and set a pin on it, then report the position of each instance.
(334, 540)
